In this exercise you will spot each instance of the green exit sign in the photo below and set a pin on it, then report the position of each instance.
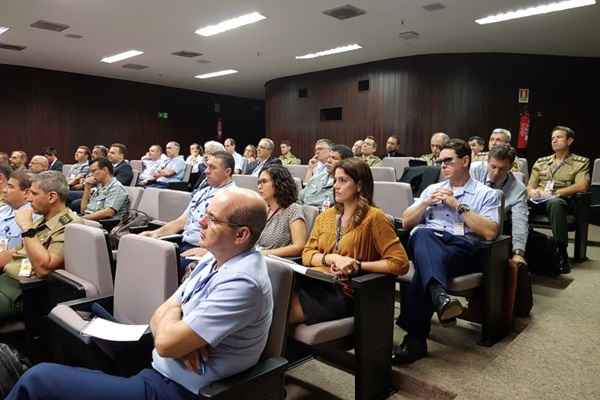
(163, 115)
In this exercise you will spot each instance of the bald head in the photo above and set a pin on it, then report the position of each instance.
(247, 208)
(38, 164)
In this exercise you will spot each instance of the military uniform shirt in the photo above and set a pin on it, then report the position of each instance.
(373, 161)
(290, 159)
(429, 158)
(113, 195)
(50, 233)
(572, 170)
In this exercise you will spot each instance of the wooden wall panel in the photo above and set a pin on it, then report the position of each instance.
(461, 94)
(40, 108)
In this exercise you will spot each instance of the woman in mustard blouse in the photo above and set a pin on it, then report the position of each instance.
(350, 239)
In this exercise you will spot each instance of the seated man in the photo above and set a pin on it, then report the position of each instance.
(18, 160)
(211, 147)
(553, 182)
(240, 162)
(16, 195)
(477, 144)
(214, 326)
(220, 165)
(357, 148)
(80, 169)
(121, 169)
(500, 137)
(438, 140)
(5, 172)
(449, 220)
(392, 147)
(497, 174)
(171, 169)
(317, 164)
(368, 150)
(103, 195)
(38, 164)
(54, 164)
(150, 163)
(42, 248)
(265, 157)
(287, 157)
(319, 189)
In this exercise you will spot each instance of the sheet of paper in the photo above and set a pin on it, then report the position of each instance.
(540, 200)
(108, 330)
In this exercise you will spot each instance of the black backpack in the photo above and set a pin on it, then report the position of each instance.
(12, 366)
(542, 254)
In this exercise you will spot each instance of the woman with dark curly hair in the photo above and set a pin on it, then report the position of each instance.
(350, 239)
(285, 232)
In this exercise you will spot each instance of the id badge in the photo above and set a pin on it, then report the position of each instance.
(25, 268)
(459, 229)
(549, 187)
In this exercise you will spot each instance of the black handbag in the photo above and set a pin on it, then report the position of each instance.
(12, 366)
(131, 219)
(542, 254)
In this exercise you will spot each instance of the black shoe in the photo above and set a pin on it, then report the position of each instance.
(410, 350)
(564, 265)
(446, 307)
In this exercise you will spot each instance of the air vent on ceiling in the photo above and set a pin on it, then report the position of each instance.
(203, 61)
(408, 35)
(49, 26)
(187, 54)
(135, 66)
(434, 7)
(14, 47)
(303, 92)
(73, 36)
(344, 12)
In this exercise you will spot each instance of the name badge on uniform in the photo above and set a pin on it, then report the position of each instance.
(25, 268)
(459, 229)
(549, 186)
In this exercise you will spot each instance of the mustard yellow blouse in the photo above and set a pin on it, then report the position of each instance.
(374, 239)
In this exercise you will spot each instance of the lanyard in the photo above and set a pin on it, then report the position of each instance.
(338, 233)
(554, 168)
(201, 284)
(272, 215)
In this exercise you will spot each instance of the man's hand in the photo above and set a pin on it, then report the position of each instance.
(518, 260)
(6, 256)
(90, 181)
(446, 196)
(151, 234)
(193, 360)
(23, 217)
(194, 252)
(312, 163)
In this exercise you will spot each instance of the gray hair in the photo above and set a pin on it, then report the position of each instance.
(505, 132)
(175, 144)
(328, 142)
(269, 142)
(445, 137)
(212, 147)
(52, 181)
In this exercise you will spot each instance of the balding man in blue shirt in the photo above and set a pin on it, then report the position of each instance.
(214, 326)
(448, 221)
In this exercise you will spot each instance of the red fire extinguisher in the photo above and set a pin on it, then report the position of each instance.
(524, 122)
(219, 128)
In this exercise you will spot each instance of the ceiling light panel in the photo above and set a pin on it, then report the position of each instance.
(216, 74)
(4, 29)
(121, 56)
(230, 24)
(337, 50)
(537, 10)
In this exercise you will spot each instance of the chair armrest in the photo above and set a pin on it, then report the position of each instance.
(403, 235)
(176, 238)
(260, 376)
(582, 206)
(109, 223)
(63, 286)
(86, 303)
(30, 283)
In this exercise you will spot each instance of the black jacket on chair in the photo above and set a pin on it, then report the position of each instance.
(271, 161)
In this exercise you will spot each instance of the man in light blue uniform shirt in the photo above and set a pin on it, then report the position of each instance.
(171, 169)
(496, 173)
(449, 220)
(214, 326)
(15, 196)
(219, 167)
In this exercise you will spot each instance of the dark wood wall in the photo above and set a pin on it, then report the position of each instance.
(460, 94)
(40, 108)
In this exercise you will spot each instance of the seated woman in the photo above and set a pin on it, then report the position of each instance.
(350, 239)
(250, 156)
(285, 232)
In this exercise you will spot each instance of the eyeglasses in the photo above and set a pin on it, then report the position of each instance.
(446, 161)
(212, 220)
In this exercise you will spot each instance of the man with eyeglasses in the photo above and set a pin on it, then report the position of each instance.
(219, 167)
(265, 158)
(449, 220)
(555, 179)
(317, 164)
(438, 140)
(215, 325)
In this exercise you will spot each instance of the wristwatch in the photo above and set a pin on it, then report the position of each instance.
(463, 208)
(29, 233)
(519, 252)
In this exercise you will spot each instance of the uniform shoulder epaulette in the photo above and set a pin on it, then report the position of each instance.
(580, 158)
(65, 219)
(542, 159)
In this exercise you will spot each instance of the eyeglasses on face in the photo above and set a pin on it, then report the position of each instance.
(213, 220)
(447, 160)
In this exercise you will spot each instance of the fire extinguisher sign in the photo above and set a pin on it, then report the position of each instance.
(523, 96)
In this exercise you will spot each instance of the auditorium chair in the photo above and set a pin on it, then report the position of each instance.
(310, 215)
(266, 379)
(136, 165)
(595, 190)
(146, 276)
(66, 170)
(392, 197)
(297, 171)
(383, 174)
(398, 163)
(246, 181)
(184, 185)
(134, 178)
(484, 290)
(298, 183)
(369, 332)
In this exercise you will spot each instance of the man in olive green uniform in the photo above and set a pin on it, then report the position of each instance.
(286, 157)
(554, 180)
(42, 248)
(368, 150)
(438, 140)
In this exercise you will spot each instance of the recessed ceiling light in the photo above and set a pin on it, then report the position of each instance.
(218, 73)
(537, 10)
(121, 56)
(329, 52)
(3, 29)
(230, 24)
